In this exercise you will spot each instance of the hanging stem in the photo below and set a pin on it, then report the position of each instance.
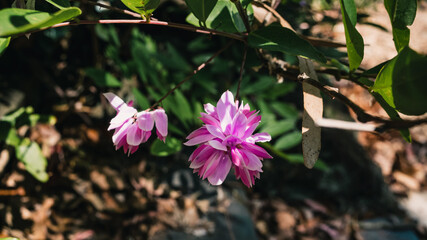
(200, 67)
(241, 70)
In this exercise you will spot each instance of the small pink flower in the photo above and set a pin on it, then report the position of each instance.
(226, 140)
(132, 127)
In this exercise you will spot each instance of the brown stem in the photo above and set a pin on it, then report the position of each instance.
(200, 67)
(241, 70)
(152, 22)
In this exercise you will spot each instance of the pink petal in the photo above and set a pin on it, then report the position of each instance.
(134, 135)
(122, 117)
(244, 175)
(261, 137)
(120, 132)
(132, 149)
(146, 136)
(208, 119)
(237, 158)
(196, 152)
(217, 145)
(238, 126)
(209, 108)
(210, 165)
(202, 157)
(215, 131)
(198, 132)
(250, 130)
(115, 101)
(254, 163)
(161, 120)
(255, 149)
(226, 109)
(199, 139)
(222, 169)
(145, 121)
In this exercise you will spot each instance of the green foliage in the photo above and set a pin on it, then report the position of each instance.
(201, 8)
(354, 41)
(4, 43)
(26, 150)
(14, 20)
(35, 163)
(276, 38)
(402, 14)
(160, 149)
(143, 7)
(224, 17)
(401, 82)
(102, 78)
(288, 141)
(61, 4)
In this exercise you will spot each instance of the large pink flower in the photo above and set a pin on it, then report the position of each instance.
(132, 127)
(226, 140)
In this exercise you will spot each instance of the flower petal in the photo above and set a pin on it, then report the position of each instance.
(199, 139)
(120, 133)
(261, 137)
(198, 132)
(161, 120)
(215, 131)
(209, 108)
(255, 149)
(115, 101)
(238, 125)
(122, 117)
(226, 109)
(254, 163)
(134, 135)
(145, 121)
(222, 169)
(217, 145)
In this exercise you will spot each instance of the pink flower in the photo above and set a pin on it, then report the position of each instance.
(226, 140)
(132, 127)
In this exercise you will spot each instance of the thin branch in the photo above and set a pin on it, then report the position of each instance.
(200, 67)
(130, 13)
(243, 14)
(241, 70)
(152, 22)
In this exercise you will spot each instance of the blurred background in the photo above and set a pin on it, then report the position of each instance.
(60, 177)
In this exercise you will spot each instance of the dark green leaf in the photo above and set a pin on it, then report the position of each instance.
(402, 82)
(5, 127)
(140, 99)
(143, 7)
(14, 20)
(201, 8)
(288, 141)
(402, 14)
(393, 115)
(354, 41)
(61, 4)
(4, 43)
(172, 145)
(224, 17)
(276, 38)
(30, 154)
(285, 110)
(102, 78)
(279, 127)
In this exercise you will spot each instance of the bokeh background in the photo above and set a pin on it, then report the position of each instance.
(365, 185)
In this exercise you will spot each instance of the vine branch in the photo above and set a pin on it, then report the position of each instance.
(119, 10)
(241, 70)
(200, 67)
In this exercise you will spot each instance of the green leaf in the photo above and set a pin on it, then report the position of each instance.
(393, 115)
(354, 41)
(402, 14)
(14, 20)
(201, 8)
(30, 154)
(224, 17)
(9, 238)
(140, 99)
(276, 38)
(402, 82)
(143, 7)
(285, 110)
(279, 127)
(61, 4)
(160, 149)
(4, 43)
(288, 141)
(102, 78)
(5, 128)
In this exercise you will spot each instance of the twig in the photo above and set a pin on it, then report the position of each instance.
(152, 22)
(133, 14)
(345, 125)
(241, 70)
(243, 14)
(200, 67)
